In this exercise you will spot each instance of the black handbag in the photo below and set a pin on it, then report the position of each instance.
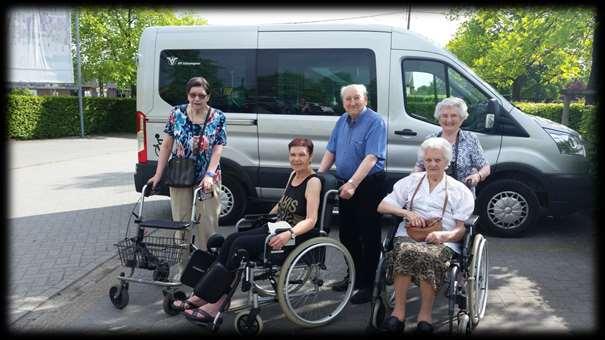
(181, 171)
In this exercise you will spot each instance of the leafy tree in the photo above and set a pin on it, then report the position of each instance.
(531, 52)
(109, 41)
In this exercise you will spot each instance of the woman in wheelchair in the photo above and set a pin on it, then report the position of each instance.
(298, 206)
(434, 207)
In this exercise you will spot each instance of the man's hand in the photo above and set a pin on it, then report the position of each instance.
(347, 191)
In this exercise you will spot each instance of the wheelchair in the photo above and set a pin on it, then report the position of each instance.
(299, 277)
(465, 285)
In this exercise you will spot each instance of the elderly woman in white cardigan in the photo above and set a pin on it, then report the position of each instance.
(425, 199)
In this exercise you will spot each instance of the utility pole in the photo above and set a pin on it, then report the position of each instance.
(409, 15)
(79, 73)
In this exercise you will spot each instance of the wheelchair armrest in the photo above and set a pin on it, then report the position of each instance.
(393, 221)
(259, 216)
(252, 220)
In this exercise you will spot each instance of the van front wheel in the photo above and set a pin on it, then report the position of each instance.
(508, 207)
(233, 200)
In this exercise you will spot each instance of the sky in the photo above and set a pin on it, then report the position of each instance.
(427, 21)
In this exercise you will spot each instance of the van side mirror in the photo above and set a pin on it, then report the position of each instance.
(489, 120)
(493, 110)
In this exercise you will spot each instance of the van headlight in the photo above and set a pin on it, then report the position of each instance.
(570, 144)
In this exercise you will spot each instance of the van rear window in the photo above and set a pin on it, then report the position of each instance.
(276, 81)
(231, 74)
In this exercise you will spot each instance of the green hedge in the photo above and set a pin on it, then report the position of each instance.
(34, 117)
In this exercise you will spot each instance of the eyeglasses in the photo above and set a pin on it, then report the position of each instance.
(201, 96)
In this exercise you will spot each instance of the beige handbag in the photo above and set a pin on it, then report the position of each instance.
(419, 233)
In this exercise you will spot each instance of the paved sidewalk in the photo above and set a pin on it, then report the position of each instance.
(70, 199)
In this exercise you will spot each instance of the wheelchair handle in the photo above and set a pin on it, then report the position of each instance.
(323, 207)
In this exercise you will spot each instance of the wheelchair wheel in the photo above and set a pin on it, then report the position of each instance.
(464, 324)
(451, 295)
(262, 282)
(304, 285)
(245, 326)
(478, 280)
(384, 298)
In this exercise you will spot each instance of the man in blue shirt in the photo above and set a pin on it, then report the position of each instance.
(357, 146)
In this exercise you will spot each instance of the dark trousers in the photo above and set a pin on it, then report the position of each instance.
(360, 227)
(252, 240)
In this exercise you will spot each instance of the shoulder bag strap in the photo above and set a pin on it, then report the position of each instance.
(288, 183)
(415, 191)
(445, 202)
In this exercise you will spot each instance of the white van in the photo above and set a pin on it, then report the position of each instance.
(275, 82)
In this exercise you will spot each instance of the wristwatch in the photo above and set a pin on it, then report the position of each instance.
(351, 181)
(293, 234)
(210, 173)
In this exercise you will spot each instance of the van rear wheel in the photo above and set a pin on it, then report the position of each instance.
(233, 200)
(508, 207)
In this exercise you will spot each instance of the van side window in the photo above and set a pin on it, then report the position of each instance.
(427, 82)
(231, 74)
(308, 81)
(424, 83)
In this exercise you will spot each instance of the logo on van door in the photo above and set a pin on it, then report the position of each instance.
(173, 61)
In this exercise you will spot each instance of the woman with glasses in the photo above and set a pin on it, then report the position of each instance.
(197, 131)
(468, 163)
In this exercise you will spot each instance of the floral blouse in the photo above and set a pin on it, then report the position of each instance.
(470, 155)
(182, 129)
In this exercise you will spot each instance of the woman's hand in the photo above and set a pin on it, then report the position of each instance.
(154, 180)
(278, 241)
(207, 183)
(472, 180)
(436, 237)
(415, 220)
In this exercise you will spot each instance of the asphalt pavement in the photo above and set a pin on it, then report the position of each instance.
(70, 201)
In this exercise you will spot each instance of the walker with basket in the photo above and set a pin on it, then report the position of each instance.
(155, 247)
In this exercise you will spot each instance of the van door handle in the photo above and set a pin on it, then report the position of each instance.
(406, 132)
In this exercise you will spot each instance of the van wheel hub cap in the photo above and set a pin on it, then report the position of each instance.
(507, 210)
(226, 201)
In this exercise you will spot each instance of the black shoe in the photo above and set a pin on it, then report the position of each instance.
(392, 325)
(341, 285)
(424, 327)
(361, 296)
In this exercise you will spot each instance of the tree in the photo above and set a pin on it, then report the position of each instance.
(109, 40)
(531, 52)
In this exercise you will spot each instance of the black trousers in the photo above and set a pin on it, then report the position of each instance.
(360, 227)
(252, 240)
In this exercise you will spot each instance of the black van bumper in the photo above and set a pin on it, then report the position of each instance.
(143, 172)
(570, 193)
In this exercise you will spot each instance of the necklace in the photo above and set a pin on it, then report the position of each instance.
(193, 118)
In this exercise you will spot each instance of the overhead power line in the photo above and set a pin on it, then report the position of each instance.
(340, 19)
